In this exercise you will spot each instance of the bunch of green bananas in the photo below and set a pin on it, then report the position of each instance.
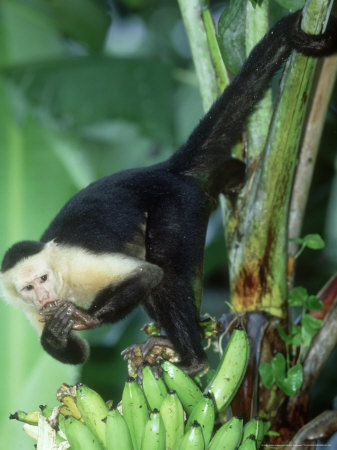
(169, 413)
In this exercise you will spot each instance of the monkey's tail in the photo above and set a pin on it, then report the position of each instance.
(207, 151)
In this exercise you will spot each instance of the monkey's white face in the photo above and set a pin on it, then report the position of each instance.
(36, 282)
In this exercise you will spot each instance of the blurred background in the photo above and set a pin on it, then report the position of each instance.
(90, 87)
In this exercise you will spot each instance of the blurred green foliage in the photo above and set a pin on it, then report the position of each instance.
(88, 88)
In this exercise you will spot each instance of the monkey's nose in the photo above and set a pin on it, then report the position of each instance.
(43, 297)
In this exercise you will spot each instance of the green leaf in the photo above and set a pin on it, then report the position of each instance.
(266, 374)
(272, 433)
(26, 35)
(293, 338)
(313, 303)
(295, 335)
(295, 376)
(58, 88)
(311, 324)
(231, 28)
(278, 365)
(313, 241)
(283, 335)
(297, 296)
(266, 426)
(292, 383)
(83, 20)
(291, 5)
(306, 338)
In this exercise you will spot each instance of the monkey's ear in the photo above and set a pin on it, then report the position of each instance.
(51, 247)
(51, 244)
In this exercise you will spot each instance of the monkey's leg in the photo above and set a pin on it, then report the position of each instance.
(176, 243)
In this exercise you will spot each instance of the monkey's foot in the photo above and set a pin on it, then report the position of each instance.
(195, 367)
(153, 352)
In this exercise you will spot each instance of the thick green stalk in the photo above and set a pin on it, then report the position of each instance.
(191, 12)
(218, 64)
(258, 264)
(309, 150)
(257, 25)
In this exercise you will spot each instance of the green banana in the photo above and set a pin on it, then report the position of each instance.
(204, 414)
(231, 369)
(228, 436)
(254, 427)
(154, 388)
(93, 410)
(61, 423)
(172, 413)
(154, 433)
(31, 417)
(193, 438)
(135, 411)
(80, 436)
(176, 379)
(117, 432)
(249, 443)
(70, 404)
(46, 411)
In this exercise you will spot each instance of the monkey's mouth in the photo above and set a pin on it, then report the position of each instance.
(49, 306)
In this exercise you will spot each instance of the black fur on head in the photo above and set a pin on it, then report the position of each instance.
(18, 251)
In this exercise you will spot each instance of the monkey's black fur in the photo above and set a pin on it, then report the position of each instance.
(163, 210)
(19, 251)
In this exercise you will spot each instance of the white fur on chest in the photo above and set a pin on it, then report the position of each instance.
(84, 274)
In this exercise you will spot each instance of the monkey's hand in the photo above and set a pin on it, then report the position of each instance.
(57, 337)
(58, 325)
(81, 319)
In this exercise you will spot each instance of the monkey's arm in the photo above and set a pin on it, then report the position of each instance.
(175, 242)
(110, 304)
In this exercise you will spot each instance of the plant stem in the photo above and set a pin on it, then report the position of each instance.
(309, 148)
(258, 240)
(195, 29)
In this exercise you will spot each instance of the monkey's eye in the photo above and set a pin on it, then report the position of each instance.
(29, 287)
(44, 278)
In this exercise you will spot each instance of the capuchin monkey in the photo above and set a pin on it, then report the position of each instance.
(137, 237)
